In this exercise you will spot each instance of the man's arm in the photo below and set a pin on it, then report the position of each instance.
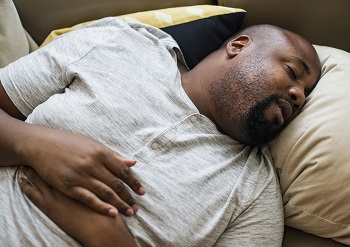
(8, 115)
(78, 166)
(85, 225)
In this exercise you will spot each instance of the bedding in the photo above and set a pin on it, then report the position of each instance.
(312, 158)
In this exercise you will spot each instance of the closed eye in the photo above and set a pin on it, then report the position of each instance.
(292, 73)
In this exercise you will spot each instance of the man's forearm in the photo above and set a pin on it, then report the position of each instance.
(77, 165)
(12, 133)
(12, 129)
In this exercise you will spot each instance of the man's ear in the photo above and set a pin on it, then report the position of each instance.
(236, 45)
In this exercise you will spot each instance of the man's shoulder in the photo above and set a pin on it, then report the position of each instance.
(260, 175)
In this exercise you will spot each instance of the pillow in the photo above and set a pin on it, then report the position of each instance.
(14, 41)
(199, 30)
(312, 158)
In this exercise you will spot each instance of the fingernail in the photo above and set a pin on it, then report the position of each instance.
(112, 212)
(135, 207)
(141, 191)
(20, 180)
(129, 212)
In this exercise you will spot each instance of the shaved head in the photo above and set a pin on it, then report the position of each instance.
(256, 83)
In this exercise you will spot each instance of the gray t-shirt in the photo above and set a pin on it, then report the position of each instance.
(119, 83)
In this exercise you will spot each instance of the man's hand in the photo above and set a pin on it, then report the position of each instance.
(83, 169)
(73, 217)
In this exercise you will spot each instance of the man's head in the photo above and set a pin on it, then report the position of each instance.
(265, 73)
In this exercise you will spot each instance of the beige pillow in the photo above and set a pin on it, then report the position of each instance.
(312, 156)
(14, 40)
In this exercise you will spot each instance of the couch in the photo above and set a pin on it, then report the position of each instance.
(322, 22)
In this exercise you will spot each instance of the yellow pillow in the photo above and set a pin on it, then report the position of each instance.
(312, 158)
(161, 18)
(199, 29)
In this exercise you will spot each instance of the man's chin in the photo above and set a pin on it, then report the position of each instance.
(259, 129)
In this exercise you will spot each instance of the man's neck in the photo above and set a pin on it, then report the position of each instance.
(195, 87)
(182, 68)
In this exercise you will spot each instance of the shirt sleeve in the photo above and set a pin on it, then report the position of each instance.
(261, 224)
(32, 79)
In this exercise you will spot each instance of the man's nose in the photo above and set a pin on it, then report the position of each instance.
(297, 94)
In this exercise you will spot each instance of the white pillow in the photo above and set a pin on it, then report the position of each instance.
(312, 155)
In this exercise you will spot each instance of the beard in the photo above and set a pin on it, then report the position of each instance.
(258, 128)
(241, 98)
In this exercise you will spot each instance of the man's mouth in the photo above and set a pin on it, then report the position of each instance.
(285, 109)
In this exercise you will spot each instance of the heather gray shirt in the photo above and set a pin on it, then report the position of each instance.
(119, 83)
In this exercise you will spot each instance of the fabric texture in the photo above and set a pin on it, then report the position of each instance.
(203, 188)
(312, 158)
(14, 40)
(199, 30)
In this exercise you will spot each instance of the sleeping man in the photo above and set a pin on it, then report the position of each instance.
(114, 103)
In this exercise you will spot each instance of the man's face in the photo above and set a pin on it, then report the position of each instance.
(264, 91)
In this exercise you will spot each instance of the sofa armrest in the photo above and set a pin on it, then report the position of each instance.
(14, 40)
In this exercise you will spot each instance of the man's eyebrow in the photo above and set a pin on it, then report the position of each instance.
(306, 67)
